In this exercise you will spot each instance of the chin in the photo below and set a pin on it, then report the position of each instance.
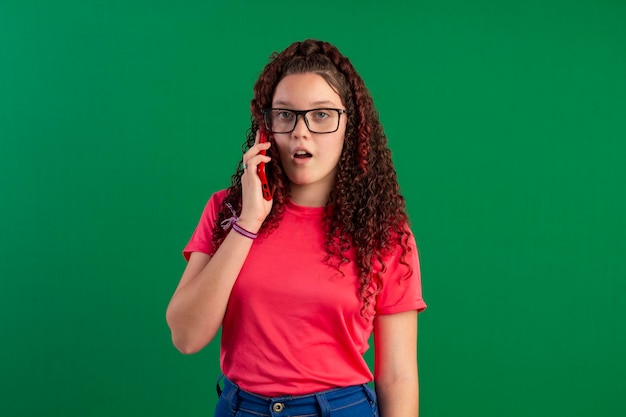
(300, 182)
(298, 178)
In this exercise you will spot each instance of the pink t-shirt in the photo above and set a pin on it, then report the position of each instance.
(293, 324)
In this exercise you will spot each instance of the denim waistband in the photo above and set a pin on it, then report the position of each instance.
(312, 404)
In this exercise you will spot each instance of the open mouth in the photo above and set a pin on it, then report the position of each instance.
(302, 155)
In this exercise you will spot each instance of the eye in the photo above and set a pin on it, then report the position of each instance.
(320, 114)
(284, 115)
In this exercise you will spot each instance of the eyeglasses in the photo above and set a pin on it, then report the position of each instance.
(316, 120)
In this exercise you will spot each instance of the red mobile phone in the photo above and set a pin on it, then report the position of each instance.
(260, 169)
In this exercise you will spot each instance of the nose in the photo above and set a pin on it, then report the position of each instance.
(301, 129)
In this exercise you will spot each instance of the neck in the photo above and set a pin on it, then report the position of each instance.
(309, 195)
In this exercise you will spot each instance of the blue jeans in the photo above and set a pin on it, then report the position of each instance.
(353, 401)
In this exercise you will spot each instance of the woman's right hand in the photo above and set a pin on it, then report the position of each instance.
(254, 208)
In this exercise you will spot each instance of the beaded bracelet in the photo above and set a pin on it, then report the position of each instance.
(232, 221)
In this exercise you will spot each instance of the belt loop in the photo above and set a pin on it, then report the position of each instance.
(231, 394)
(323, 403)
(371, 394)
(217, 386)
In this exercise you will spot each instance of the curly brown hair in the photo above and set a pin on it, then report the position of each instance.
(365, 210)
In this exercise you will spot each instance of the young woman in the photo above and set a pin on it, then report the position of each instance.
(300, 281)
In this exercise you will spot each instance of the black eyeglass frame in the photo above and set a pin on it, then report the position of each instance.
(267, 114)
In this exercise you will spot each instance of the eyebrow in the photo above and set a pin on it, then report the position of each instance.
(314, 104)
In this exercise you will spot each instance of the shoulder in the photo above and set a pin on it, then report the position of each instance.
(212, 209)
(213, 206)
(401, 243)
(219, 196)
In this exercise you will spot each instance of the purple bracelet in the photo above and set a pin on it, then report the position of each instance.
(243, 231)
(232, 221)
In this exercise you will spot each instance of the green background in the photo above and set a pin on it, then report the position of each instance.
(507, 121)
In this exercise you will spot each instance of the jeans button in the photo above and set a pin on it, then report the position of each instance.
(278, 407)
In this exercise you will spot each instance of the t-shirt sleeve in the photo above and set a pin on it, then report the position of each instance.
(201, 239)
(402, 285)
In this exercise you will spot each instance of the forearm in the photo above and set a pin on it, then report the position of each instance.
(395, 339)
(398, 398)
(197, 308)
